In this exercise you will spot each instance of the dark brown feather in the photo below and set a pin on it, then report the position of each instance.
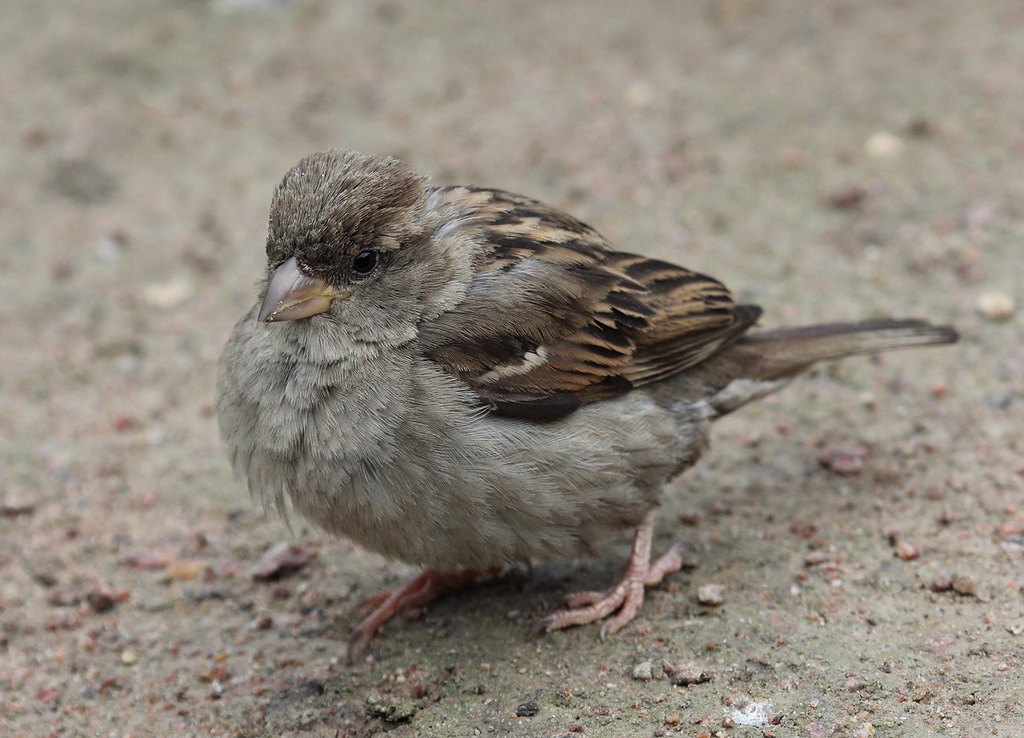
(554, 313)
(775, 356)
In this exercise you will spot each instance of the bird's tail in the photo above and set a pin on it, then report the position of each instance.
(785, 351)
(761, 362)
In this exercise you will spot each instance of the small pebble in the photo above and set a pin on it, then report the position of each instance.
(689, 517)
(644, 671)
(129, 657)
(921, 127)
(100, 600)
(906, 551)
(866, 730)
(527, 709)
(964, 584)
(283, 560)
(711, 595)
(183, 569)
(390, 709)
(153, 602)
(168, 294)
(15, 510)
(849, 198)
(683, 673)
(818, 558)
(883, 145)
(64, 597)
(996, 306)
(845, 460)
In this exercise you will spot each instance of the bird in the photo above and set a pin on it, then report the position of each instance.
(472, 381)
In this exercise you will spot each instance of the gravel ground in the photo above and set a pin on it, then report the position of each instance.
(857, 541)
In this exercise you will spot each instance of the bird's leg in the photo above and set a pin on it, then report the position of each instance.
(626, 596)
(418, 591)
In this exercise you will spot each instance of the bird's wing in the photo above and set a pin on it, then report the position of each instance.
(554, 319)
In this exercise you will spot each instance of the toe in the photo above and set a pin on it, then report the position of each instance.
(667, 563)
(631, 601)
(580, 599)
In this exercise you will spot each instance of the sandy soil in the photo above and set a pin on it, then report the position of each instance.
(828, 160)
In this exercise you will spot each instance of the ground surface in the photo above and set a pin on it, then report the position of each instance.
(828, 160)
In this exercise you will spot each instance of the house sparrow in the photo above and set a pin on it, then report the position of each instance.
(467, 379)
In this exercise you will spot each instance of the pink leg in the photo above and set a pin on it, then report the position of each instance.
(626, 596)
(415, 593)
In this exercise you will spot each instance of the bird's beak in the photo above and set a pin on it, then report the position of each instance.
(292, 295)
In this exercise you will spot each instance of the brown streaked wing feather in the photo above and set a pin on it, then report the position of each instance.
(695, 318)
(537, 278)
(554, 319)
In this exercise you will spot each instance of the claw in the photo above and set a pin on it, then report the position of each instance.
(408, 598)
(625, 596)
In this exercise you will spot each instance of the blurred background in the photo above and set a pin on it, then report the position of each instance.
(830, 161)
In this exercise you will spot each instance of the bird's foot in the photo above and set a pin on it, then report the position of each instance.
(625, 597)
(414, 594)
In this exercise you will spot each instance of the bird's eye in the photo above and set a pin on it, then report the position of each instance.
(364, 263)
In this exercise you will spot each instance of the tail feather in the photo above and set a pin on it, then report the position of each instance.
(787, 351)
(763, 362)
